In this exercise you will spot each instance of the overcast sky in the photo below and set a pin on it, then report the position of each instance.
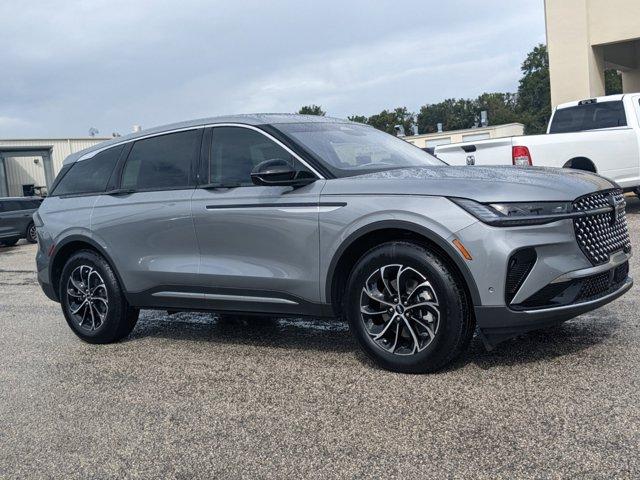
(66, 66)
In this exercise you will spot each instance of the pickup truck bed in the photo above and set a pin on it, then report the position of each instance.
(573, 141)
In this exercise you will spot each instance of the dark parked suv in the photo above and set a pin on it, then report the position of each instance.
(16, 220)
(299, 215)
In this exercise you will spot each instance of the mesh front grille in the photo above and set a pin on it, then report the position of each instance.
(578, 290)
(600, 235)
(601, 284)
(595, 286)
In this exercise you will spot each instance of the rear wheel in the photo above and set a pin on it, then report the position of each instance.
(31, 234)
(92, 300)
(407, 309)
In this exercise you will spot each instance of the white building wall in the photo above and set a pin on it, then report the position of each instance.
(23, 171)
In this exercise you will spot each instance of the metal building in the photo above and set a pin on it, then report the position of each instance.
(29, 166)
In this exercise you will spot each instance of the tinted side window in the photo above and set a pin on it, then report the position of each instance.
(10, 206)
(590, 116)
(235, 151)
(91, 175)
(162, 162)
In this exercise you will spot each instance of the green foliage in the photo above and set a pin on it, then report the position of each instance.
(359, 119)
(388, 119)
(534, 91)
(312, 110)
(612, 82)
(453, 114)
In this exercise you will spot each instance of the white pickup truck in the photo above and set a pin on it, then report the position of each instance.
(600, 135)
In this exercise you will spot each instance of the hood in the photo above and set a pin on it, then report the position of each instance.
(483, 184)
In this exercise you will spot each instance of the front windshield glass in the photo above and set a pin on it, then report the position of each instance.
(351, 149)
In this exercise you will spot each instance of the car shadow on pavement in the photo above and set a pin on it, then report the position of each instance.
(295, 333)
(333, 336)
(567, 338)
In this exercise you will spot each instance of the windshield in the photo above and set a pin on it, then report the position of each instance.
(351, 149)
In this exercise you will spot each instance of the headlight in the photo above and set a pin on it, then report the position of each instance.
(528, 209)
(519, 213)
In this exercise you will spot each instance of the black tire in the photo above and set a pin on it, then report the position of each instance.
(9, 243)
(30, 234)
(119, 318)
(440, 345)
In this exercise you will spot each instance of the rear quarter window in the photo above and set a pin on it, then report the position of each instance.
(591, 116)
(89, 176)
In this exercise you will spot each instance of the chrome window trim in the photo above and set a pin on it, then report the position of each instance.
(91, 154)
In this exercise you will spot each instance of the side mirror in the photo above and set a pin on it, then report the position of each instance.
(278, 172)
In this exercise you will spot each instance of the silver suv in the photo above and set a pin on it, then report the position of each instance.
(298, 215)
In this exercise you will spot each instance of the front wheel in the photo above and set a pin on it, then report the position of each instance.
(92, 300)
(407, 309)
(31, 234)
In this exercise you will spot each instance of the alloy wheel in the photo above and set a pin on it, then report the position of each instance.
(400, 310)
(87, 298)
(33, 236)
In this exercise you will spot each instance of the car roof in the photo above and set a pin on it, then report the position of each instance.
(608, 98)
(254, 119)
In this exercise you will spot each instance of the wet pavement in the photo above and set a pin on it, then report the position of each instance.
(194, 395)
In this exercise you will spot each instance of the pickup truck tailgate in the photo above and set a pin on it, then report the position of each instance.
(484, 152)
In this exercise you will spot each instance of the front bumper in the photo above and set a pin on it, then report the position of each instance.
(559, 283)
(498, 323)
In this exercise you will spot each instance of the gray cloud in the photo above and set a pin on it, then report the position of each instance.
(67, 66)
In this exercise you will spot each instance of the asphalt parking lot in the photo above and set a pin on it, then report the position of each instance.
(194, 396)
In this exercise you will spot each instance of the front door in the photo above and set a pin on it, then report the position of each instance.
(259, 245)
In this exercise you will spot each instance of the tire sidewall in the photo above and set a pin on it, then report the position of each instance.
(109, 329)
(451, 312)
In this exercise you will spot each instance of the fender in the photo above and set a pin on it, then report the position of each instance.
(95, 245)
(412, 227)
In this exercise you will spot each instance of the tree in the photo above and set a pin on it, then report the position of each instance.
(534, 91)
(386, 120)
(612, 82)
(453, 114)
(358, 118)
(501, 108)
(312, 110)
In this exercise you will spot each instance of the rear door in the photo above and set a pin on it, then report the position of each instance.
(259, 245)
(145, 222)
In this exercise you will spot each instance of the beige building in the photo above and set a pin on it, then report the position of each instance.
(431, 140)
(585, 37)
(28, 163)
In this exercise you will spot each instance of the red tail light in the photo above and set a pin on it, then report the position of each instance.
(521, 156)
